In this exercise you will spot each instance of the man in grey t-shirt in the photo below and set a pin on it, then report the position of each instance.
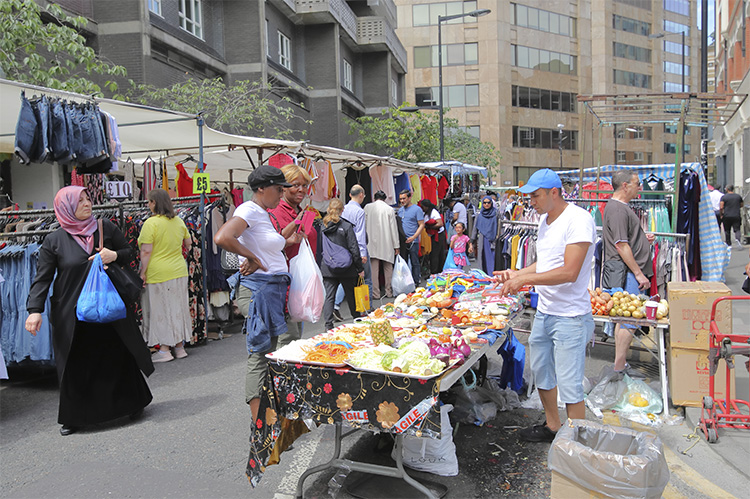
(626, 246)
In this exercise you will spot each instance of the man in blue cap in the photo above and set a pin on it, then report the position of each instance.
(563, 323)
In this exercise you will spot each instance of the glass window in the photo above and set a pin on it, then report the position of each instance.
(676, 68)
(678, 6)
(523, 97)
(422, 57)
(456, 96)
(555, 100)
(544, 20)
(554, 23)
(455, 54)
(522, 15)
(522, 56)
(544, 60)
(621, 156)
(436, 9)
(471, 53)
(638, 156)
(533, 18)
(394, 93)
(676, 48)
(472, 95)
(190, 17)
(347, 76)
(535, 95)
(470, 7)
(420, 15)
(514, 95)
(546, 136)
(533, 58)
(674, 27)
(675, 87)
(423, 97)
(154, 6)
(285, 51)
(453, 8)
(473, 130)
(546, 101)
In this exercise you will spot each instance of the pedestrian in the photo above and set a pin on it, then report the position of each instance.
(459, 242)
(382, 242)
(715, 195)
(435, 228)
(412, 219)
(285, 218)
(166, 311)
(627, 253)
(563, 323)
(263, 276)
(731, 207)
(288, 212)
(458, 212)
(342, 262)
(355, 215)
(98, 365)
(485, 235)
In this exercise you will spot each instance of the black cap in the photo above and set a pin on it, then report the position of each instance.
(266, 175)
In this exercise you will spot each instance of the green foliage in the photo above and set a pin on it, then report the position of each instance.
(415, 137)
(244, 108)
(43, 47)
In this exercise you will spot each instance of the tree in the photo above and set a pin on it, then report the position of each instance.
(43, 46)
(244, 108)
(415, 137)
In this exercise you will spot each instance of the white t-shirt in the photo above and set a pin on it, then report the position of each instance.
(715, 197)
(434, 215)
(574, 225)
(461, 210)
(261, 238)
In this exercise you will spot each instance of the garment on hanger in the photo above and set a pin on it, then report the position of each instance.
(416, 188)
(402, 184)
(360, 177)
(382, 180)
(443, 187)
(280, 159)
(429, 188)
(184, 182)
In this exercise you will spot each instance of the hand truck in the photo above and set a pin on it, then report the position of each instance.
(727, 413)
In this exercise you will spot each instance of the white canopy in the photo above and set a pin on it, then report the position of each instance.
(456, 167)
(148, 131)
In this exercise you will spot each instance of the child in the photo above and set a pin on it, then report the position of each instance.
(458, 244)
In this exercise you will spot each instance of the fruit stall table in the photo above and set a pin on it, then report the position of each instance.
(298, 397)
(662, 327)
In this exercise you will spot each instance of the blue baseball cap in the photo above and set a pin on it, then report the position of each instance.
(541, 179)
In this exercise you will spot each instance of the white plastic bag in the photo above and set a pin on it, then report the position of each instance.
(402, 281)
(306, 295)
(436, 456)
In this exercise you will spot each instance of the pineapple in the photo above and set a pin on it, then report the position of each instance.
(381, 332)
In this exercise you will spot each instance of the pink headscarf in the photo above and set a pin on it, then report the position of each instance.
(66, 203)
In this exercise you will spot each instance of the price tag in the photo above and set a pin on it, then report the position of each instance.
(119, 189)
(201, 183)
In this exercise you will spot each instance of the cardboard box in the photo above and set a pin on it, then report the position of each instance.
(563, 488)
(689, 378)
(690, 312)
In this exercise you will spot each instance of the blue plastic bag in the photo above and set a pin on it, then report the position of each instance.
(99, 301)
(514, 359)
(449, 263)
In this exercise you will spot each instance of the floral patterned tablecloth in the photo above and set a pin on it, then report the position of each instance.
(297, 397)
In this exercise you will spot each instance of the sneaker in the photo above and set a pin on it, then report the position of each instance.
(337, 316)
(162, 356)
(180, 353)
(537, 433)
(738, 244)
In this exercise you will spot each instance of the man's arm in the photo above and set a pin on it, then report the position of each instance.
(575, 255)
(626, 253)
(416, 234)
(721, 208)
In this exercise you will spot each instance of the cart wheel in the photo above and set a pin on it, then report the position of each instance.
(708, 403)
(712, 436)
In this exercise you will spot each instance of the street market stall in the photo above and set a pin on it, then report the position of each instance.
(383, 373)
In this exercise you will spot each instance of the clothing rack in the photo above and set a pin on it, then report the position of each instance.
(686, 237)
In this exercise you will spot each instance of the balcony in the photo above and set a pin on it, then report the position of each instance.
(376, 34)
(323, 11)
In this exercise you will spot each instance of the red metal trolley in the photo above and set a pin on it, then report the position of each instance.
(728, 413)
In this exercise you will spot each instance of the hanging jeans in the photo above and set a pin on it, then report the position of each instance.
(26, 132)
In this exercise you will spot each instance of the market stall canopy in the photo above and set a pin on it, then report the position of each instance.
(456, 167)
(143, 130)
(664, 171)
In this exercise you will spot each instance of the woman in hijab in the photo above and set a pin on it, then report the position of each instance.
(486, 230)
(98, 365)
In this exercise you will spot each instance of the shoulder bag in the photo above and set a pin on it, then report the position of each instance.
(230, 262)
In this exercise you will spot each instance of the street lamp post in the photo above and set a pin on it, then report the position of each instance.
(441, 19)
(560, 127)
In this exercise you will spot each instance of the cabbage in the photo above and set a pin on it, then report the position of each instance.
(387, 359)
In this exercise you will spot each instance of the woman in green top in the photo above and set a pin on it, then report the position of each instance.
(166, 314)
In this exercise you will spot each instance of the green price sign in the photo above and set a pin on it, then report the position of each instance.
(201, 183)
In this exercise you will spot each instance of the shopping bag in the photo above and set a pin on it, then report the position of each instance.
(362, 296)
(402, 281)
(306, 295)
(449, 263)
(99, 301)
(514, 357)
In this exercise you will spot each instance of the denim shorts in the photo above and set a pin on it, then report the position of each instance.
(558, 353)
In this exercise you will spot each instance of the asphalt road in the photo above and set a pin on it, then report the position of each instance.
(192, 442)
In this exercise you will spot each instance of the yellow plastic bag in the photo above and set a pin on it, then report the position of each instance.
(362, 296)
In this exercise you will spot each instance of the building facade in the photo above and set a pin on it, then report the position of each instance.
(732, 140)
(333, 58)
(512, 77)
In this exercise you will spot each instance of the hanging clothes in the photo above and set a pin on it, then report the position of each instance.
(382, 180)
(416, 187)
(687, 219)
(149, 177)
(279, 160)
(429, 188)
(402, 184)
(443, 187)
(359, 177)
(184, 182)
